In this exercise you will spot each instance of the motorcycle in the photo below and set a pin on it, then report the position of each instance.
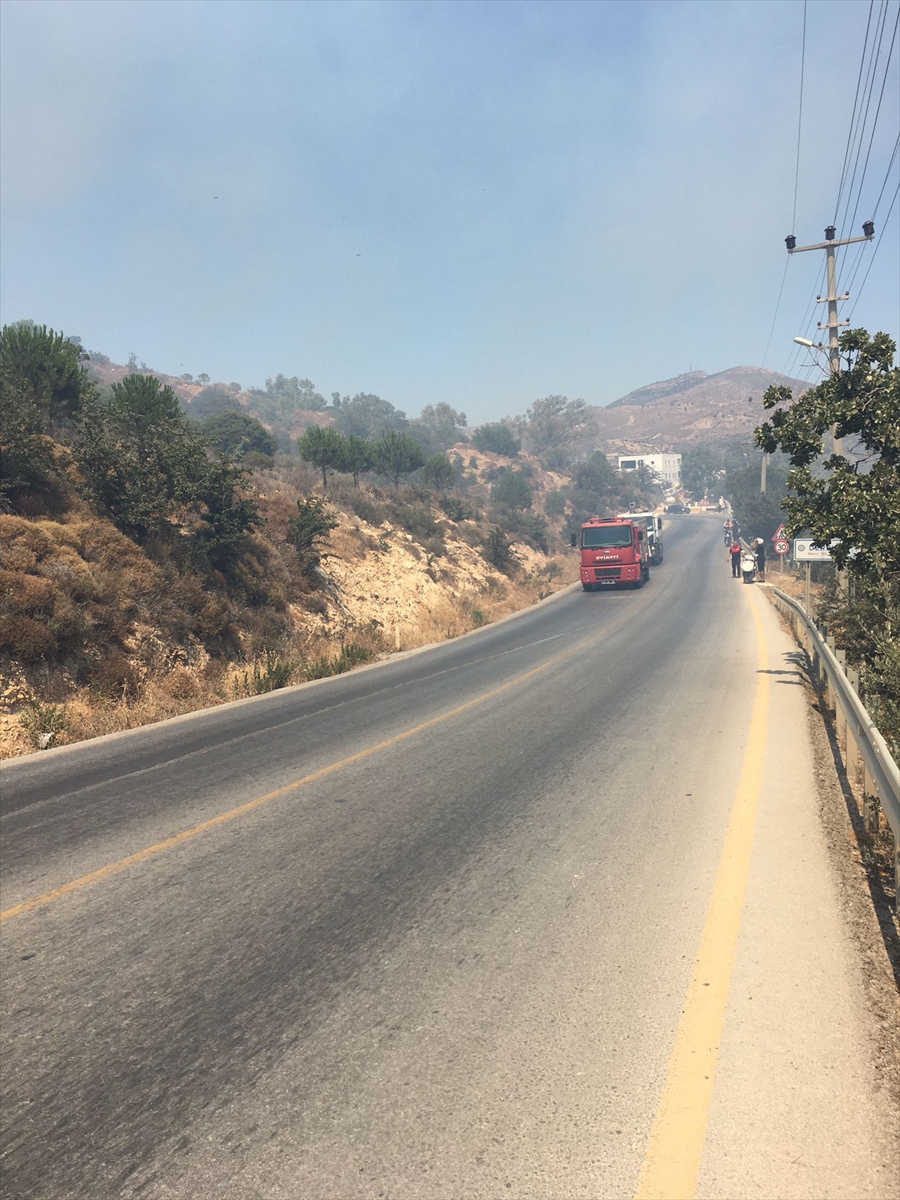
(748, 568)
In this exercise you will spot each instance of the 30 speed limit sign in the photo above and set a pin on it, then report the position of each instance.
(782, 546)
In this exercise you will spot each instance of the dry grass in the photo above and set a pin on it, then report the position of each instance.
(101, 635)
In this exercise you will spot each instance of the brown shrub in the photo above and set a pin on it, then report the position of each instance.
(179, 684)
(114, 676)
(26, 593)
(27, 639)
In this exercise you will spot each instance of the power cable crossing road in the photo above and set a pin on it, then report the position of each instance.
(519, 915)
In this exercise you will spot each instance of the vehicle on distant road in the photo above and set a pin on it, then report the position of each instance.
(613, 553)
(677, 508)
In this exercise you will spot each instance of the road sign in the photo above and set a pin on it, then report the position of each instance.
(779, 535)
(805, 551)
(782, 546)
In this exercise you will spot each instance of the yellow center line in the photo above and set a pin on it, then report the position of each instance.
(672, 1161)
(242, 810)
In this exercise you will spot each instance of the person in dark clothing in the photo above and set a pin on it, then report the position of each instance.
(735, 552)
(761, 559)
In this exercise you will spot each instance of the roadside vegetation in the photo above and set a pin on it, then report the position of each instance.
(172, 544)
(851, 504)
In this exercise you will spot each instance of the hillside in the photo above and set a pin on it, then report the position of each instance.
(688, 410)
(100, 634)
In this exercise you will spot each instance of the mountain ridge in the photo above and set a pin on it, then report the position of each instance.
(688, 410)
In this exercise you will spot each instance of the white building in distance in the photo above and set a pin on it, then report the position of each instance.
(666, 466)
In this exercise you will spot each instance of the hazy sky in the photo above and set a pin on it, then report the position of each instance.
(482, 203)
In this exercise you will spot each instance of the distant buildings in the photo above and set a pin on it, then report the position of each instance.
(666, 466)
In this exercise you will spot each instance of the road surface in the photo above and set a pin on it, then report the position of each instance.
(543, 912)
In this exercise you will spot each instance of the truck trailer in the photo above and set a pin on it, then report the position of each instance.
(654, 533)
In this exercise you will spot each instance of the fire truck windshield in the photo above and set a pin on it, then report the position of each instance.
(606, 537)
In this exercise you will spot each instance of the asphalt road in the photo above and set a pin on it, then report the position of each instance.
(430, 929)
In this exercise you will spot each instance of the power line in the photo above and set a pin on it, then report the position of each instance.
(853, 115)
(868, 89)
(799, 127)
(887, 67)
(796, 183)
(875, 249)
(777, 306)
(886, 176)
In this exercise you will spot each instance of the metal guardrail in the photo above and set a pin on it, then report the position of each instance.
(858, 737)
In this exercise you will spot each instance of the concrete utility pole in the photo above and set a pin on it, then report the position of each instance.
(832, 324)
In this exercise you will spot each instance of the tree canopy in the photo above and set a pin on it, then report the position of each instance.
(397, 454)
(555, 423)
(497, 438)
(512, 491)
(295, 393)
(142, 464)
(439, 473)
(44, 368)
(356, 456)
(212, 402)
(237, 434)
(438, 427)
(853, 502)
(367, 416)
(322, 448)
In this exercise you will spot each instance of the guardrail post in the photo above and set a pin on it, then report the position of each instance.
(870, 802)
(853, 678)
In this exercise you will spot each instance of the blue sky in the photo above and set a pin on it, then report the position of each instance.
(482, 203)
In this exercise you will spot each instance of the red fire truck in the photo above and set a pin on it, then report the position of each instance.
(613, 552)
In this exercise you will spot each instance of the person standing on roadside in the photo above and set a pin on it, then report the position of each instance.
(761, 560)
(735, 552)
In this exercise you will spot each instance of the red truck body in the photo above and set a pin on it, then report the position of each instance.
(614, 553)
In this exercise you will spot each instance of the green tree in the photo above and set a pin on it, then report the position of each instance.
(595, 474)
(851, 501)
(555, 504)
(758, 515)
(356, 457)
(367, 416)
(397, 454)
(496, 550)
(294, 393)
(236, 434)
(27, 461)
(44, 368)
(322, 448)
(438, 427)
(140, 402)
(511, 491)
(554, 423)
(702, 470)
(143, 465)
(497, 438)
(439, 473)
(212, 402)
(309, 532)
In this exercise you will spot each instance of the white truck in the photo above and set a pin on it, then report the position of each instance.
(654, 525)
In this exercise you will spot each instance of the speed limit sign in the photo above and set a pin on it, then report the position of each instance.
(782, 546)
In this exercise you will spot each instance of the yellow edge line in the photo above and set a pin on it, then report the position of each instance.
(233, 814)
(672, 1162)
